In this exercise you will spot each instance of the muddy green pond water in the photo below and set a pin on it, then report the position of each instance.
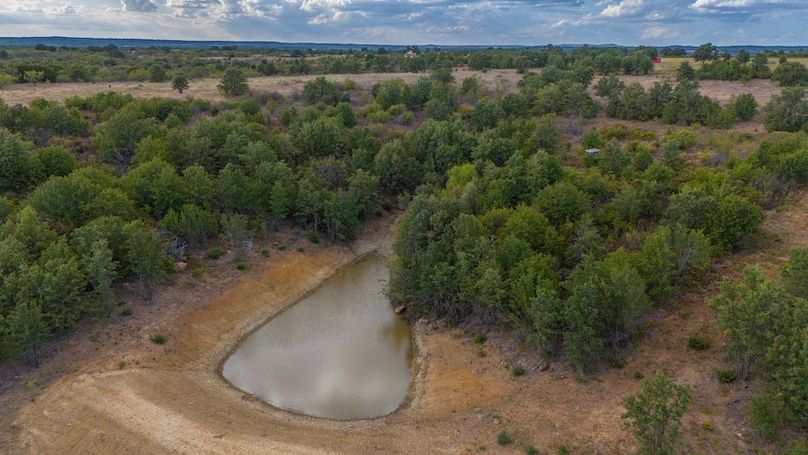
(340, 353)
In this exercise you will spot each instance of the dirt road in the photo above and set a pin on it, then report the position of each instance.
(143, 398)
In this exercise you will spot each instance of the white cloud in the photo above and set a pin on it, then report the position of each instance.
(624, 8)
(654, 32)
(143, 6)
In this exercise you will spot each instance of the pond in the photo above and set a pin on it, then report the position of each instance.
(340, 353)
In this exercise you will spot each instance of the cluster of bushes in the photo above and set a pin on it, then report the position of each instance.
(682, 104)
(741, 67)
(42, 119)
(788, 111)
(572, 258)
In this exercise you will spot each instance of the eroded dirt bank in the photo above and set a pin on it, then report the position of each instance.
(170, 399)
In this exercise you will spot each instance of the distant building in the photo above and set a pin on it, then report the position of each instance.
(592, 151)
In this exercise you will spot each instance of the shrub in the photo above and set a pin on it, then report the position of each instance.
(745, 107)
(517, 371)
(233, 83)
(795, 274)
(765, 415)
(503, 438)
(591, 139)
(698, 343)
(158, 339)
(215, 253)
(655, 414)
(787, 111)
(726, 376)
(321, 90)
(790, 74)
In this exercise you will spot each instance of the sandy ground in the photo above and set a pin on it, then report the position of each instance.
(497, 81)
(135, 397)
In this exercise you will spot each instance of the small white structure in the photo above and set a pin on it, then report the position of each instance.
(592, 151)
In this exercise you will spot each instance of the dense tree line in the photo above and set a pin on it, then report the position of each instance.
(110, 63)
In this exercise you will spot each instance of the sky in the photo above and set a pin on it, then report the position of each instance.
(488, 22)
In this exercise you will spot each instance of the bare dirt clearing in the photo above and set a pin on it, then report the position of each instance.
(170, 399)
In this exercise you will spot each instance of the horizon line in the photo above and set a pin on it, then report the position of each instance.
(33, 37)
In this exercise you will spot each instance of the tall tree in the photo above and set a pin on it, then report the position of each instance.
(100, 269)
(144, 253)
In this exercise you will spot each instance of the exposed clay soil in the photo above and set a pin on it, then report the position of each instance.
(128, 395)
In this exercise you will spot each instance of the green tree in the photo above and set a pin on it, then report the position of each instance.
(155, 186)
(234, 228)
(26, 331)
(685, 72)
(180, 83)
(746, 311)
(790, 74)
(787, 111)
(193, 224)
(100, 270)
(117, 138)
(655, 414)
(745, 107)
(16, 163)
(562, 202)
(144, 254)
(53, 161)
(321, 90)
(734, 218)
(398, 170)
(705, 52)
(795, 274)
(322, 137)
(233, 83)
(157, 73)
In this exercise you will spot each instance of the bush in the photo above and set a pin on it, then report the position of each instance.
(698, 343)
(726, 376)
(517, 371)
(215, 254)
(787, 111)
(765, 415)
(655, 414)
(795, 274)
(158, 339)
(233, 83)
(790, 74)
(321, 90)
(503, 438)
(745, 107)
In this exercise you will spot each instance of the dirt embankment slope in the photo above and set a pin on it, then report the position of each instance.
(170, 399)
